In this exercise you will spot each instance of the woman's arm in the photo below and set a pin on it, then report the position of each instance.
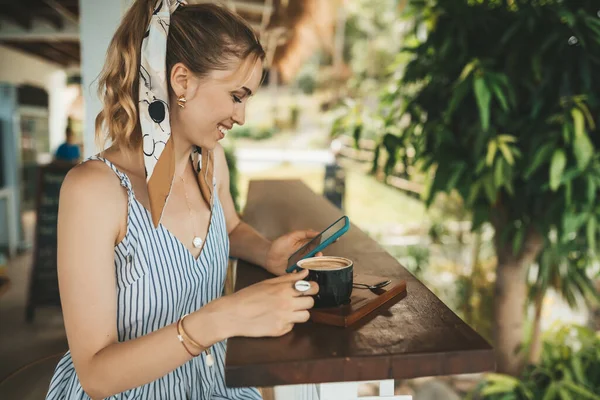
(244, 241)
(88, 227)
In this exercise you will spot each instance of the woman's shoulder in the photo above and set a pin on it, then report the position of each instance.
(92, 182)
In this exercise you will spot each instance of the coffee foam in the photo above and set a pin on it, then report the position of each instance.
(324, 263)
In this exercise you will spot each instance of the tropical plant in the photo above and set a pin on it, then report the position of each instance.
(564, 267)
(569, 370)
(503, 101)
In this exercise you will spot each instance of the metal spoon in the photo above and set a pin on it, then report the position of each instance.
(375, 286)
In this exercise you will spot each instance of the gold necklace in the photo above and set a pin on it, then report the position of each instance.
(197, 241)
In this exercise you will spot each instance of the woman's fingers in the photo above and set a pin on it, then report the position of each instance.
(303, 303)
(292, 277)
(299, 317)
(314, 289)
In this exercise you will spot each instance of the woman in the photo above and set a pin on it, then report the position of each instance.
(146, 228)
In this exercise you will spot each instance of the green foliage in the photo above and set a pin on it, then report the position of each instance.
(233, 176)
(570, 369)
(307, 83)
(370, 43)
(415, 258)
(564, 266)
(252, 132)
(503, 106)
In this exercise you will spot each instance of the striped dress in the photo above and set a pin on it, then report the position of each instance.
(158, 281)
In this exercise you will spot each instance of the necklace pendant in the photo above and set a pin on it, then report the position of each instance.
(197, 242)
(210, 361)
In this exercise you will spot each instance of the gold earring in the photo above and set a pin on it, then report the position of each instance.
(181, 100)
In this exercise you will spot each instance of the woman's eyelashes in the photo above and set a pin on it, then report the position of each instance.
(236, 99)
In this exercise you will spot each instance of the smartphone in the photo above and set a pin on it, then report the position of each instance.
(319, 242)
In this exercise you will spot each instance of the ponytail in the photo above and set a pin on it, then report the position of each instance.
(118, 83)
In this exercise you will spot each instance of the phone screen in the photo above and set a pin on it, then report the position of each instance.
(317, 240)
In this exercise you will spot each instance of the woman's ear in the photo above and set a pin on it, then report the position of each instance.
(183, 82)
(180, 75)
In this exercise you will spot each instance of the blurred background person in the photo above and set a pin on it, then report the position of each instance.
(68, 151)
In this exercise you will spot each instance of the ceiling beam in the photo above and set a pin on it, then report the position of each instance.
(39, 31)
(67, 49)
(62, 11)
(49, 15)
(13, 12)
(39, 50)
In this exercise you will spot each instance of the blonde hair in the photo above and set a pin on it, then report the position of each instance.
(204, 37)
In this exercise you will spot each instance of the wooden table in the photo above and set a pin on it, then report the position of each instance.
(418, 336)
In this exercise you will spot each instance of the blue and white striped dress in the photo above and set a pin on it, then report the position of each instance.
(158, 281)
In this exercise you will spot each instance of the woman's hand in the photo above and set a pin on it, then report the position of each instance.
(283, 247)
(271, 307)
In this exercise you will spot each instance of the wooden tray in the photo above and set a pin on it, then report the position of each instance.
(362, 302)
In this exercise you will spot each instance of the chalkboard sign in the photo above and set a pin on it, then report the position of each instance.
(43, 287)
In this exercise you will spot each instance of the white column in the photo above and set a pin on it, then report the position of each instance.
(98, 22)
(59, 99)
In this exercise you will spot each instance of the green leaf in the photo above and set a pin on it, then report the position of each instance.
(564, 395)
(474, 192)
(572, 222)
(483, 96)
(456, 174)
(586, 111)
(506, 152)
(507, 138)
(498, 173)
(591, 190)
(551, 392)
(490, 189)
(492, 148)
(495, 389)
(541, 155)
(583, 149)
(500, 96)
(578, 121)
(592, 227)
(580, 391)
(567, 17)
(566, 132)
(458, 94)
(467, 70)
(505, 380)
(557, 167)
(518, 240)
(509, 188)
(577, 368)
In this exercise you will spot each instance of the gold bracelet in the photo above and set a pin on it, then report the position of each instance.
(182, 341)
(209, 358)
